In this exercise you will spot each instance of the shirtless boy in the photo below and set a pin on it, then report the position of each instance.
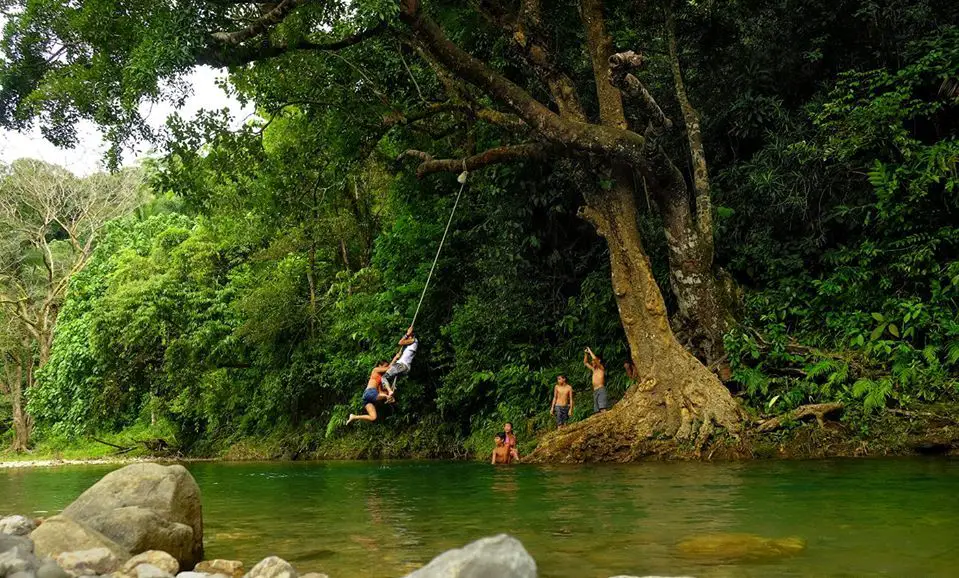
(562, 405)
(374, 392)
(501, 454)
(595, 364)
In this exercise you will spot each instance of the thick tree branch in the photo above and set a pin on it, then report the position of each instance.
(704, 209)
(260, 25)
(621, 66)
(231, 55)
(486, 114)
(622, 144)
(503, 154)
(527, 36)
(600, 49)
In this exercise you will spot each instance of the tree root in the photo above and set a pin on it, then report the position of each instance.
(817, 410)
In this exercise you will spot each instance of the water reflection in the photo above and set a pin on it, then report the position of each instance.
(889, 517)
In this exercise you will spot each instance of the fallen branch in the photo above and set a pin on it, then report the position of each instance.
(818, 410)
(121, 448)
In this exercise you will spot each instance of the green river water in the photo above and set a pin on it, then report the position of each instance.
(366, 519)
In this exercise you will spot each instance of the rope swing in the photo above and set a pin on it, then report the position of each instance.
(462, 181)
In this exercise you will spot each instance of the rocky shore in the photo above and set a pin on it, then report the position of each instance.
(145, 521)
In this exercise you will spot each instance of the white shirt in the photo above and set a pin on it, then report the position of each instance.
(408, 352)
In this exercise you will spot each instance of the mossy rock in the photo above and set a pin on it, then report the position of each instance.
(727, 547)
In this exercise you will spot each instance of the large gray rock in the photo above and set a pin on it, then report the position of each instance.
(272, 567)
(61, 534)
(93, 562)
(146, 507)
(496, 557)
(17, 525)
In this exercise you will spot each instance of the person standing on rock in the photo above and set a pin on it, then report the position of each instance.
(403, 360)
(595, 364)
(562, 406)
(374, 393)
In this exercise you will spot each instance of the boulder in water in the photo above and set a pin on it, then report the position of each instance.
(495, 557)
(726, 547)
(146, 507)
(93, 562)
(272, 567)
(61, 534)
(17, 525)
(232, 568)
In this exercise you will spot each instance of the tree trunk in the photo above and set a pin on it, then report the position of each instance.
(679, 399)
(704, 302)
(21, 421)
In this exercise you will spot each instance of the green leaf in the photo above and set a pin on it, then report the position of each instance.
(878, 317)
(877, 332)
(894, 330)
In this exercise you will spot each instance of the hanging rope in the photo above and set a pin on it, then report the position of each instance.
(462, 181)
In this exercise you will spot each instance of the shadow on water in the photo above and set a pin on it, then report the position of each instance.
(857, 517)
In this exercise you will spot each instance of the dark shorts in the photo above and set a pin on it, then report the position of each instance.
(369, 396)
(562, 414)
(600, 401)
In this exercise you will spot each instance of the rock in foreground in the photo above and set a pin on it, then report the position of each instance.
(145, 507)
(232, 568)
(17, 525)
(93, 562)
(60, 534)
(496, 557)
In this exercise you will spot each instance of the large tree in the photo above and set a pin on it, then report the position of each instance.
(102, 59)
(49, 222)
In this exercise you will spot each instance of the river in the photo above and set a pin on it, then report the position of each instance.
(869, 517)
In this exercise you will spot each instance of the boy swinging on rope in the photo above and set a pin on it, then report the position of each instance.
(373, 394)
(402, 361)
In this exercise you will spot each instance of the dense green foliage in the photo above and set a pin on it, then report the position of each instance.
(281, 260)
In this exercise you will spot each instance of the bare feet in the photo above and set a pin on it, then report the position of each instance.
(350, 420)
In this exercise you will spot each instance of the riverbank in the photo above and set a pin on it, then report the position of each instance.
(926, 430)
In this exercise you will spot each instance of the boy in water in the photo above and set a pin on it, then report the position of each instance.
(402, 361)
(374, 392)
(562, 405)
(501, 453)
(595, 364)
(511, 441)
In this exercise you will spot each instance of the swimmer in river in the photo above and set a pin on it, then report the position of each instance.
(511, 441)
(501, 454)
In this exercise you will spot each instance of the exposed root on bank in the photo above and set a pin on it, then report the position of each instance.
(818, 410)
